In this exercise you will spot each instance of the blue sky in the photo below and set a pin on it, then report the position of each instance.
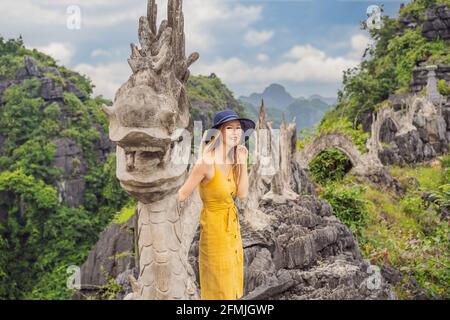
(303, 45)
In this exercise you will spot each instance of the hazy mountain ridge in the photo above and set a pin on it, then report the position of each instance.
(307, 111)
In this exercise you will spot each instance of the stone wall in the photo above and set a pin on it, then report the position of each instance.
(420, 77)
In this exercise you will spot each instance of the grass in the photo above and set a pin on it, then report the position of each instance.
(125, 213)
(405, 232)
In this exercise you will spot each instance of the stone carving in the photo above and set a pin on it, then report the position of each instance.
(151, 126)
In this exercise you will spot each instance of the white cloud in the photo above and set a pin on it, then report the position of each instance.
(112, 17)
(304, 52)
(100, 53)
(107, 77)
(304, 63)
(261, 57)
(98, 13)
(255, 38)
(26, 12)
(86, 3)
(359, 43)
(61, 52)
(208, 22)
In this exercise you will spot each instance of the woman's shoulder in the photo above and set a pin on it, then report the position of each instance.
(205, 160)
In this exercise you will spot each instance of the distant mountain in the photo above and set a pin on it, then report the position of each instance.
(275, 96)
(329, 101)
(277, 100)
(307, 112)
(273, 114)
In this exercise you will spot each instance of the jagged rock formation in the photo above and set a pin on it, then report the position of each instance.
(435, 24)
(68, 155)
(295, 248)
(417, 131)
(113, 257)
(408, 128)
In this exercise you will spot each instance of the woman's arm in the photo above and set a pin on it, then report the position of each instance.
(242, 188)
(195, 177)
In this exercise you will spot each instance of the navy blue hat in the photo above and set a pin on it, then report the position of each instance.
(229, 115)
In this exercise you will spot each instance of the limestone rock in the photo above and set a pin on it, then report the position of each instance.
(112, 258)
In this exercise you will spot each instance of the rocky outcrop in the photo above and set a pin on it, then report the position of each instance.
(416, 131)
(305, 253)
(68, 155)
(69, 158)
(428, 137)
(50, 89)
(435, 22)
(113, 257)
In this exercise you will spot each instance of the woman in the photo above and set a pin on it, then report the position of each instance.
(221, 174)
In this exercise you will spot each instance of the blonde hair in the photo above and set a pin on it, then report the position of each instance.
(209, 146)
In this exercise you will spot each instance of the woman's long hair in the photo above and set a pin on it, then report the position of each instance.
(208, 145)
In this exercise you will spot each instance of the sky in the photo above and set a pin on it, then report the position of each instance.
(304, 45)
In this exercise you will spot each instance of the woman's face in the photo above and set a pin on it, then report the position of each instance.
(232, 132)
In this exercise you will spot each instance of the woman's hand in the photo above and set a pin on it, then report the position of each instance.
(242, 154)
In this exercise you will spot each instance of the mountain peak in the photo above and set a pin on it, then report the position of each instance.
(275, 87)
(275, 95)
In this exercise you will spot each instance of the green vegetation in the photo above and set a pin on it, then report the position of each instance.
(409, 232)
(211, 90)
(126, 212)
(389, 68)
(349, 206)
(40, 237)
(405, 233)
(417, 8)
(444, 88)
(329, 165)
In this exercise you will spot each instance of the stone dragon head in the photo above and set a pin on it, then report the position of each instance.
(149, 120)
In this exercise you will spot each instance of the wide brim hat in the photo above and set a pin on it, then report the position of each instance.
(229, 115)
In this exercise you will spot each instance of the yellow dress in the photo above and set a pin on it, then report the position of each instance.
(221, 255)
